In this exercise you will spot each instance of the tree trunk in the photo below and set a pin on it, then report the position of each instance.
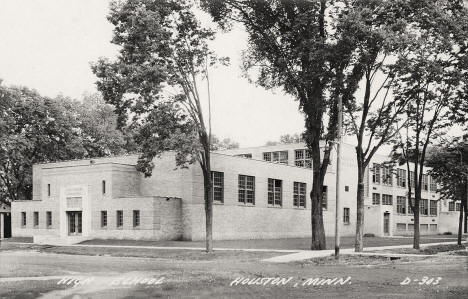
(460, 225)
(318, 231)
(208, 200)
(416, 236)
(358, 242)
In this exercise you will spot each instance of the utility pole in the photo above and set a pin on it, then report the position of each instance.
(338, 179)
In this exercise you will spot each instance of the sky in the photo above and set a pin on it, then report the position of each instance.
(48, 45)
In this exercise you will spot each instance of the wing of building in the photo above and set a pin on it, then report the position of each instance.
(259, 192)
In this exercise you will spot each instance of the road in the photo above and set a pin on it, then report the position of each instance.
(30, 274)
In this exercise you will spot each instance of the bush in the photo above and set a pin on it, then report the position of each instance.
(447, 233)
(369, 235)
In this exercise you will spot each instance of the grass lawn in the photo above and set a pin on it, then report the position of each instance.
(431, 250)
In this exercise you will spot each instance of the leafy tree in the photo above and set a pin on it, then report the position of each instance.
(432, 77)
(155, 83)
(449, 163)
(378, 30)
(226, 143)
(287, 139)
(36, 129)
(292, 45)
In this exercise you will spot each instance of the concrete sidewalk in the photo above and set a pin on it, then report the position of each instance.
(304, 255)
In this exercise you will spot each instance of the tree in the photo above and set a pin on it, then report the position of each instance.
(449, 163)
(287, 139)
(154, 82)
(225, 144)
(378, 29)
(292, 45)
(37, 129)
(432, 77)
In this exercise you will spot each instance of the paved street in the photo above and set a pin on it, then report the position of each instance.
(30, 274)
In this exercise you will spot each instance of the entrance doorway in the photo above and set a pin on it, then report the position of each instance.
(386, 224)
(74, 223)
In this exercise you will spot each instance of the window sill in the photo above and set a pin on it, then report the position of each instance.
(274, 207)
(245, 205)
(218, 203)
(347, 223)
(302, 208)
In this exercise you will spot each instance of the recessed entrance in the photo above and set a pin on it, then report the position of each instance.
(74, 223)
(386, 224)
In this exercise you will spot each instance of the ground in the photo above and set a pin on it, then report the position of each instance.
(30, 271)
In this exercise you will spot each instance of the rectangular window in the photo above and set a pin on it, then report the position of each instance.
(457, 206)
(433, 227)
(103, 187)
(49, 219)
(346, 215)
(36, 219)
(376, 198)
(376, 173)
(136, 218)
(401, 178)
(423, 207)
(433, 185)
(424, 227)
(246, 190)
(247, 156)
(425, 179)
(387, 199)
(325, 197)
(410, 227)
(451, 206)
(299, 194)
(412, 179)
(103, 218)
(23, 219)
(277, 157)
(433, 207)
(275, 192)
(48, 189)
(401, 205)
(217, 181)
(387, 176)
(401, 226)
(119, 218)
(302, 158)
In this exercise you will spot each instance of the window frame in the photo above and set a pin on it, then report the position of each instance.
(36, 219)
(49, 219)
(104, 220)
(401, 207)
(119, 219)
(299, 194)
(243, 189)
(324, 197)
(376, 173)
(385, 197)
(274, 193)
(374, 201)
(217, 189)
(401, 177)
(24, 221)
(136, 218)
(346, 216)
(433, 207)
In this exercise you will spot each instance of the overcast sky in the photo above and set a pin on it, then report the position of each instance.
(48, 45)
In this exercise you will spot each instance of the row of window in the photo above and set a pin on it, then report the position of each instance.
(383, 174)
(246, 191)
(454, 206)
(119, 219)
(422, 227)
(387, 199)
(103, 188)
(36, 219)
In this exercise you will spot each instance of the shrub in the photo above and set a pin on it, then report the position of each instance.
(447, 233)
(369, 235)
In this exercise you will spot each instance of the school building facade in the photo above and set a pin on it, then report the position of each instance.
(260, 192)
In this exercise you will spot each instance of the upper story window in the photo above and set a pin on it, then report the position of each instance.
(275, 192)
(423, 207)
(299, 194)
(103, 187)
(325, 197)
(217, 181)
(246, 190)
(433, 208)
(401, 177)
(387, 176)
(425, 182)
(387, 199)
(277, 157)
(433, 185)
(376, 173)
(401, 205)
(302, 158)
(248, 156)
(376, 198)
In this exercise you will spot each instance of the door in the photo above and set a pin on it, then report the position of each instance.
(7, 225)
(386, 224)
(74, 223)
